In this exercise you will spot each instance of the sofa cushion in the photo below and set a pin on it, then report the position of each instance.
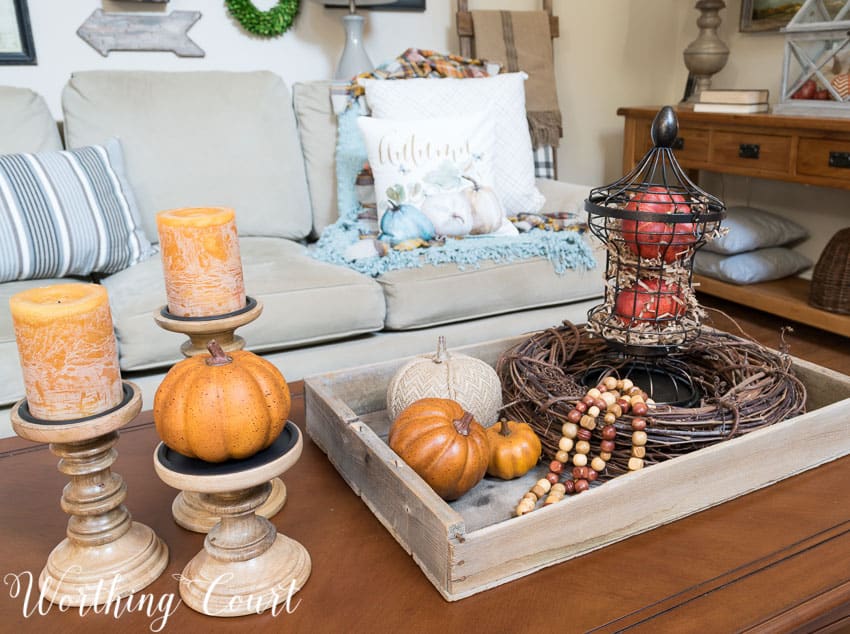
(317, 131)
(432, 295)
(26, 124)
(67, 213)
(196, 139)
(11, 379)
(561, 196)
(305, 301)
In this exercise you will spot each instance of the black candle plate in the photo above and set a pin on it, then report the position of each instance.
(179, 463)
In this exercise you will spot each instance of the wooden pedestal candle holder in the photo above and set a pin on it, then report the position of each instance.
(187, 509)
(246, 566)
(201, 330)
(106, 555)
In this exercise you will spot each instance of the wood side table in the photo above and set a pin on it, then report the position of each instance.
(774, 560)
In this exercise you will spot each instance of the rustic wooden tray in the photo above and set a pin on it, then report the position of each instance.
(473, 544)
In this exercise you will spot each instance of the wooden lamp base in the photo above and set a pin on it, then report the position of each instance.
(246, 566)
(187, 509)
(106, 555)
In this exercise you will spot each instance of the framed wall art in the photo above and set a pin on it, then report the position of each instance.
(401, 5)
(767, 15)
(379, 5)
(16, 43)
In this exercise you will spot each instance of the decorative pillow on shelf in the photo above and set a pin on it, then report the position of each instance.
(433, 177)
(67, 213)
(750, 228)
(501, 97)
(751, 267)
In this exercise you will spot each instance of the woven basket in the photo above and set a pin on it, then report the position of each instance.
(830, 289)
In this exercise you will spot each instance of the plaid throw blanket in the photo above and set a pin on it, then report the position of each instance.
(416, 62)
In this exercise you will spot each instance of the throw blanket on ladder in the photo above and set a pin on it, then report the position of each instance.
(520, 40)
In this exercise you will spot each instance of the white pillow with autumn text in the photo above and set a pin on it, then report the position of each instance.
(501, 97)
(438, 168)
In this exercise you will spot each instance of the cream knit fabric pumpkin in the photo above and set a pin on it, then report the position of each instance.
(469, 381)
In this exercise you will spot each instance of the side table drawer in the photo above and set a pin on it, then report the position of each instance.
(763, 152)
(691, 143)
(823, 157)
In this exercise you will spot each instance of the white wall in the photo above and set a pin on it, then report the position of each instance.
(309, 50)
(612, 53)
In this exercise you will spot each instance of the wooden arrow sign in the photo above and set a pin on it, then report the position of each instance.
(141, 32)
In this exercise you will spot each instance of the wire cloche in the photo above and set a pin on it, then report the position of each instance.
(651, 221)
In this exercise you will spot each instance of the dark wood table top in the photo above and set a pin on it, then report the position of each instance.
(774, 560)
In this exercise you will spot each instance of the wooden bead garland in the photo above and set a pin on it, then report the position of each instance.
(610, 399)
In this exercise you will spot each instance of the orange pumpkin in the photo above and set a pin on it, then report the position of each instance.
(443, 444)
(514, 449)
(222, 406)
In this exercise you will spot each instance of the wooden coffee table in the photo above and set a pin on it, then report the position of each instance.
(774, 560)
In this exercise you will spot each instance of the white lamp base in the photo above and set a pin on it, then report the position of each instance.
(354, 59)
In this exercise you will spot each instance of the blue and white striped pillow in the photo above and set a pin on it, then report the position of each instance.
(67, 213)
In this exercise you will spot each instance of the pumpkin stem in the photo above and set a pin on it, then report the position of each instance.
(442, 354)
(218, 355)
(505, 430)
(462, 425)
(475, 185)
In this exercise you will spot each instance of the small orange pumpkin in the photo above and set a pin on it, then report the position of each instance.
(443, 444)
(514, 449)
(222, 406)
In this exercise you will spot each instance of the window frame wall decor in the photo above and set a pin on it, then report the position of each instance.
(25, 53)
(750, 24)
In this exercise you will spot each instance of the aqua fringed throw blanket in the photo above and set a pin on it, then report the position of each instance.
(564, 249)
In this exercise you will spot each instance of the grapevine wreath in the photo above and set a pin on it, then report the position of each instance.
(745, 387)
(271, 23)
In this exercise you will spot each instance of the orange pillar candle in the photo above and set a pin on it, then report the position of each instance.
(200, 260)
(67, 350)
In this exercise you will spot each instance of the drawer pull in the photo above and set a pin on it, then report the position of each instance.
(839, 159)
(748, 150)
(679, 143)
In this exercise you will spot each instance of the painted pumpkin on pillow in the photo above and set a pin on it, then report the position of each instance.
(402, 221)
(487, 212)
(446, 204)
(450, 212)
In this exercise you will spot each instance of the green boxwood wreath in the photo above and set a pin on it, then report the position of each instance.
(271, 23)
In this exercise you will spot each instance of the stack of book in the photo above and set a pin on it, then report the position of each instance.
(744, 101)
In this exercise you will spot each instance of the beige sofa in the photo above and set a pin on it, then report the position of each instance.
(242, 140)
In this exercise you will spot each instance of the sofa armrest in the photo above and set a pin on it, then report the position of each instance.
(561, 196)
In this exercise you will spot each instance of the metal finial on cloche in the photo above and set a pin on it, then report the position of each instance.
(665, 128)
(658, 169)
